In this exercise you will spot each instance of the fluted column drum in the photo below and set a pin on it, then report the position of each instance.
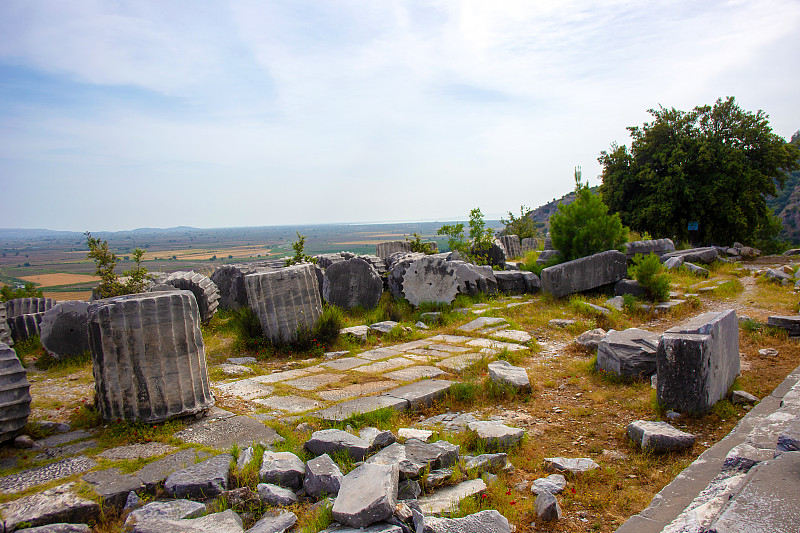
(148, 356)
(285, 300)
(15, 398)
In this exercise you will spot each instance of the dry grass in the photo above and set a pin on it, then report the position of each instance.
(60, 278)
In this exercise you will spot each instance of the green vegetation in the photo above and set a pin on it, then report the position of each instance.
(584, 227)
(477, 245)
(300, 255)
(712, 165)
(418, 246)
(105, 262)
(28, 291)
(651, 275)
(523, 225)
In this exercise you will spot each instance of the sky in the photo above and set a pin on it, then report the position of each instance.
(119, 115)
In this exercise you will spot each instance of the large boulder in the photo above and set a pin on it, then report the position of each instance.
(433, 279)
(64, 329)
(511, 245)
(148, 357)
(584, 274)
(493, 254)
(397, 264)
(659, 437)
(630, 354)
(367, 495)
(204, 289)
(655, 246)
(698, 361)
(286, 301)
(352, 283)
(229, 280)
(517, 282)
(15, 398)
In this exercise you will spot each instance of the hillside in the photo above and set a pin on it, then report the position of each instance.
(787, 206)
(541, 215)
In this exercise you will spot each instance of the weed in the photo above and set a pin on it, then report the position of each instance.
(85, 416)
(317, 520)
(463, 393)
(247, 328)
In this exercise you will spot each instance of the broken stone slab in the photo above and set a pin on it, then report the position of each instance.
(590, 339)
(496, 436)
(789, 440)
(654, 246)
(202, 480)
(486, 462)
(503, 372)
(275, 495)
(740, 396)
(335, 440)
(234, 370)
(435, 279)
(414, 373)
(15, 398)
(367, 404)
(446, 500)
(420, 394)
(617, 303)
(63, 330)
(282, 468)
(790, 323)
(170, 509)
(58, 504)
(59, 528)
(246, 389)
(412, 433)
(154, 473)
(630, 353)
(745, 456)
(547, 508)
(554, 484)
(384, 327)
(413, 457)
(673, 263)
(704, 256)
(277, 523)
(224, 522)
(698, 361)
(352, 283)
(517, 282)
(290, 403)
(514, 335)
(584, 274)
(20, 481)
(222, 433)
(113, 486)
(148, 357)
(358, 332)
(696, 270)
(367, 495)
(629, 286)
(659, 437)
(482, 322)
(572, 465)
(323, 477)
(489, 521)
(286, 300)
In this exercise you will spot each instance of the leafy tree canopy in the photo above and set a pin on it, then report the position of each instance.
(522, 225)
(712, 165)
(584, 227)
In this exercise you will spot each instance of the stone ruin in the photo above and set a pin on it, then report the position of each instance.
(511, 245)
(352, 283)
(229, 280)
(148, 357)
(385, 249)
(434, 279)
(286, 301)
(24, 315)
(64, 329)
(5, 332)
(15, 398)
(584, 274)
(204, 289)
(655, 246)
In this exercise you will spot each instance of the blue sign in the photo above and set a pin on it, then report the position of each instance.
(693, 226)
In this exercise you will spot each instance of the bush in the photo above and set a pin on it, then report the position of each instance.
(247, 328)
(480, 239)
(522, 226)
(28, 291)
(105, 263)
(299, 252)
(418, 246)
(584, 227)
(649, 272)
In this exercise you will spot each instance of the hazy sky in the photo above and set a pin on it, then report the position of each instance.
(118, 115)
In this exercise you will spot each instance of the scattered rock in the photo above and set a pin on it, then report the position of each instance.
(323, 477)
(420, 434)
(504, 372)
(554, 484)
(447, 498)
(383, 327)
(336, 440)
(590, 339)
(630, 353)
(574, 466)
(275, 495)
(740, 396)
(282, 468)
(659, 437)
(203, 480)
(496, 435)
(367, 495)
(58, 504)
(561, 322)
(489, 521)
(279, 523)
(547, 508)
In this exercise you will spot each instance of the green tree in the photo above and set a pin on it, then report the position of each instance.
(136, 278)
(29, 290)
(584, 227)
(299, 252)
(477, 244)
(456, 240)
(713, 165)
(523, 225)
(417, 245)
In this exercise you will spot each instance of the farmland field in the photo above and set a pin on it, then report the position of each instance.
(56, 261)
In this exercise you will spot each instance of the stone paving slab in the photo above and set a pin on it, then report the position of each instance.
(496, 345)
(156, 472)
(247, 389)
(224, 433)
(356, 389)
(289, 404)
(513, 335)
(482, 322)
(63, 438)
(345, 363)
(459, 363)
(451, 339)
(449, 348)
(379, 353)
(383, 366)
(286, 375)
(427, 352)
(421, 393)
(422, 343)
(137, 451)
(414, 373)
(65, 451)
(445, 501)
(313, 382)
(367, 404)
(26, 479)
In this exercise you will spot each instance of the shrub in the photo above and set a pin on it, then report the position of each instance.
(584, 227)
(522, 226)
(105, 263)
(28, 291)
(247, 328)
(649, 272)
(299, 252)
(418, 246)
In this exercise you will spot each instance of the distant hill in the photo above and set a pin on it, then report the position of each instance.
(787, 206)
(541, 215)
